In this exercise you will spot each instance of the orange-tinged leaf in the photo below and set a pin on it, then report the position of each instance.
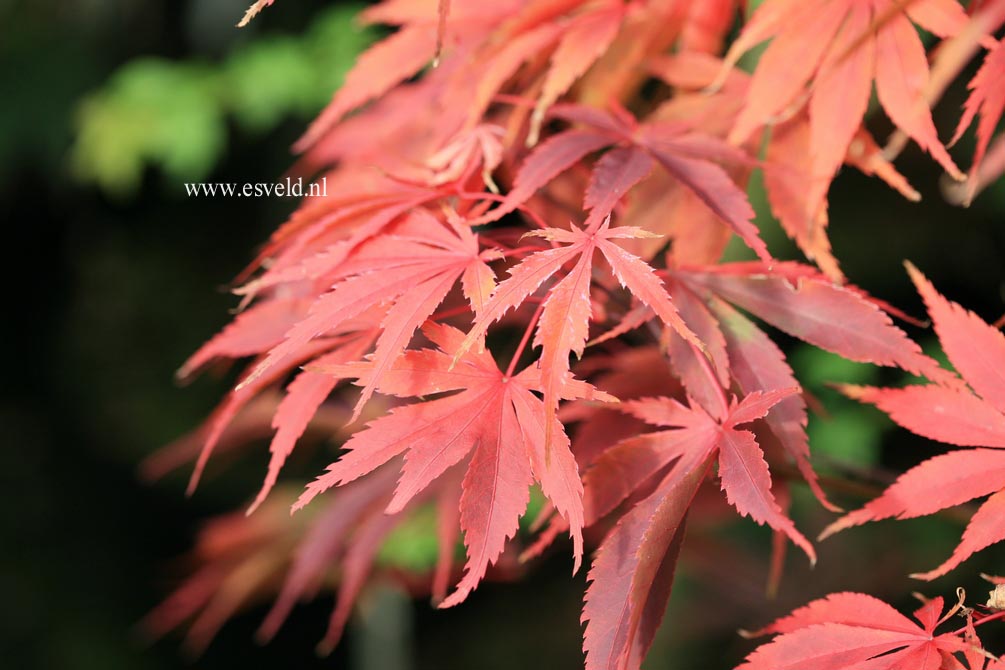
(496, 492)
(304, 396)
(563, 326)
(639, 277)
(952, 414)
(437, 441)
(839, 100)
(944, 18)
(789, 62)
(505, 63)
(767, 21)
(409, 312)
(986, 527)
(478, 282)
(563, 329)
(555, 467)
(378, 69)
(941, 482)
(987, 99)
(416, 275)
(901, 78)
(853, 609)
(836, 646)
(583, 42)
(254, 331)
(246, 390)
(707, 24)
(253, 11)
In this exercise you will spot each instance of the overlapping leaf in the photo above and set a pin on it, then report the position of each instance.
(796, 192)
(690, 158)
(830, 52)
(495, 424)
(564, 325)
(633, 572)
(416, 272)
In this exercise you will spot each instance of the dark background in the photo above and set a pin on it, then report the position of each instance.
(107, 293)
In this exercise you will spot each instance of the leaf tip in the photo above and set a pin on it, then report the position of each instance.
(324, 648)
(831, 529)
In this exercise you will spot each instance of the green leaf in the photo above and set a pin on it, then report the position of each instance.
(152, 111)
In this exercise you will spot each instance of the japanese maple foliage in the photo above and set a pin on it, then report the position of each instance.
(853, 630)
(515, 284)
(971, 415)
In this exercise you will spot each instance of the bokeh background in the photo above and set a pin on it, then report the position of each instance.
(112, 276)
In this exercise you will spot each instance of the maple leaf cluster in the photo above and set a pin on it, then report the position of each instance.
(529, 199)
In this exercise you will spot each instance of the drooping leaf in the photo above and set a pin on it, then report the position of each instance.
(581, 45)
(633, 572)
(987, 100)
(253, 11)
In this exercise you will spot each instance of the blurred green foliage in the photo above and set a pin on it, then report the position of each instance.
(413, 544)
(848, 433)
(174, 114)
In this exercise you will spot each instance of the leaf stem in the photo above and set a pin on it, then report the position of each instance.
(523, 341)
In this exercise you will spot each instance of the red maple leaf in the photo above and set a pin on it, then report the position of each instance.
(795, 299)
(494, 421)
(853, 630)
(564, 324)
(690, 158)
(967, 417)
(415, 269)
(633, 571)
